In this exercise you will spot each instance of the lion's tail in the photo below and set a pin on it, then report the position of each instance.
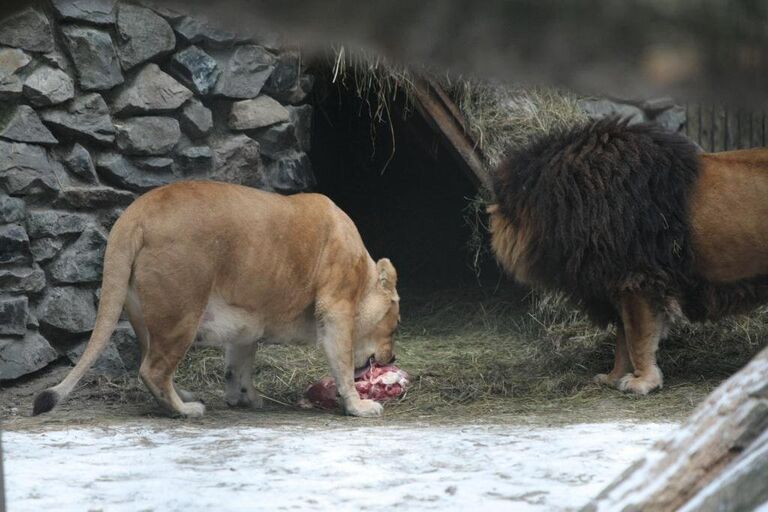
(123, 245)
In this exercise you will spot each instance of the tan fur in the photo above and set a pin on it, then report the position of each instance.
(729, 223)
(729, 215)
(508, 243)
(242, 265)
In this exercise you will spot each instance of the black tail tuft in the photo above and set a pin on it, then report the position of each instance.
(44, 402)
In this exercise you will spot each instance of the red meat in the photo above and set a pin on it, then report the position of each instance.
(376, 382)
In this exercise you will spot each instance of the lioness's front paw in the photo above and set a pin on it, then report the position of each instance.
(639, 385)
(364, 408)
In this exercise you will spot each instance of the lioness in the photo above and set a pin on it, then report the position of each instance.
(635, 227)
(240, 265)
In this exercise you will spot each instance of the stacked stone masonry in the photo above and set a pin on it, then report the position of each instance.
(101, 101)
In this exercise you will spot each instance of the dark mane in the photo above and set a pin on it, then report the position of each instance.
(606, 207)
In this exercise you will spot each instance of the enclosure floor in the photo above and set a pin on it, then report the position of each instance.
(319, 466)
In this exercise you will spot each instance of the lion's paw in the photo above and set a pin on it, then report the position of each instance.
(638, 385)
(192, 410)
(364, 408)
(606, 379)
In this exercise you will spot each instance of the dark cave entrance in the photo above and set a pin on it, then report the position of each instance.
(408, 197)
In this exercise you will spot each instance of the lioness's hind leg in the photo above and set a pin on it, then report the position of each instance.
(157, 369)
(621, 363)
(643, 329)
(238, 376)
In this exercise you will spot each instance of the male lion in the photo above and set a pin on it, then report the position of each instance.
(635, 227)
(240, 265)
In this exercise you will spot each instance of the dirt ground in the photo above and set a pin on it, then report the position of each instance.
(471, 355)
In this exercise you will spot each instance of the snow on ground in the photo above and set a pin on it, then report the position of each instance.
(483, 467)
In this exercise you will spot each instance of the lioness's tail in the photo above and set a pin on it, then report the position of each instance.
(122, 246)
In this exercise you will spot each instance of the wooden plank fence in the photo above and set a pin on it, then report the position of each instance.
(716, 128)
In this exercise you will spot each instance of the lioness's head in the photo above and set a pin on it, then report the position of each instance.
(380, 317)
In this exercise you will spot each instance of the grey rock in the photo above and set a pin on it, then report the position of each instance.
(82, 261)
(95, 58)
(172, 16)
(236, 160)
(12, 60)
(11, 88)
(149, 135)
(291, 173)
(68, 308)
(196, 119)
(45, 249)
(13, 315)
(116, 169)
(195, 68)
(48, 86)
(155, 164)
(656, 105)
(85, 116)
(22, 279)
(599, 109)
(58, 60)
(99, 12)
(151, 91)
(299, 93)
(124, 340)
(20, 123)
(196, 160)
(194, 31)
(28, 29)
(256, 113)
(142, 35)
(244, 72)
(285, 76)
(108, 363)
(11, 209)
(673, 119)
(79, 162)
(32, 322)
(26, 169)
(92, 197)
(301, 118)
(14, 243)
(43, 223)
(19, 357)
(276, 138)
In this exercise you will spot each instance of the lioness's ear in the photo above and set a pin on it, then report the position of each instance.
(387, 275)
(491, 209)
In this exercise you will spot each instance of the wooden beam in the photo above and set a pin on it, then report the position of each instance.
(717, 460)
(445, 118)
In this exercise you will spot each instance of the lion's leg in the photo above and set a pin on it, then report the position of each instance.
(136, 318)
(238, 381)
(643, 329)
(157, 369)
(621, 363)
(336, 338)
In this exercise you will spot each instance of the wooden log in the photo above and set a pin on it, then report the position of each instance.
(758, 140)
(732, 130)
(446, 120)
(745, 130)
(719, 129)
(693, 124)
(2, 477)
(705, 128)
(718, 460)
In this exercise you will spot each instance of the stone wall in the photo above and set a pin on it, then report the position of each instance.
(99, 102)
